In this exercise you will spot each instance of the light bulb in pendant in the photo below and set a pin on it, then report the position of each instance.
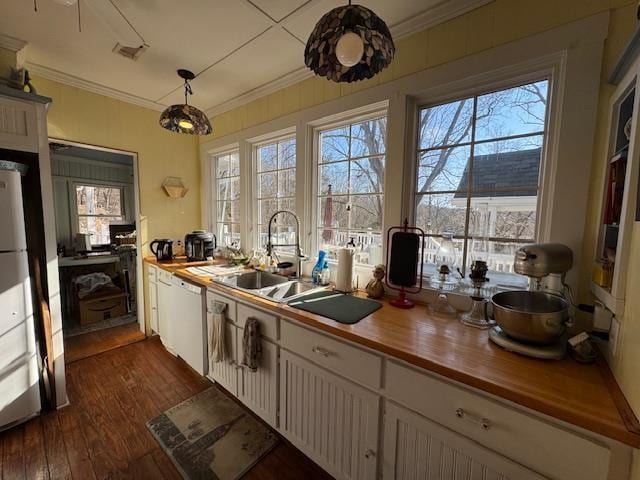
(349, 49)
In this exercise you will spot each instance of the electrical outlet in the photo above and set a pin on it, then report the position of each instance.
(614, 333)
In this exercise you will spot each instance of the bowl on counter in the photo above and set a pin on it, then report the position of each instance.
(538, 318)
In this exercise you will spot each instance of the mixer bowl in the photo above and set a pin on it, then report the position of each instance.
(531, 317)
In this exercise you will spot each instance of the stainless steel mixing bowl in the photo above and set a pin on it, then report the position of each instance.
(531, 317)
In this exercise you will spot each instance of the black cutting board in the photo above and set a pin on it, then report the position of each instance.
(337, 306)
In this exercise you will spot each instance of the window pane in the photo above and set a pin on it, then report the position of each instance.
(499, 257)
(368, 246)
(267, 185)
(234, 164)
(441, 213)
(443, 170)
(331, 241)
(334, 145)
(287, 204)
(333, 212)
(287, 153)
(267, 158)
(507, 166)
(266, 208)
(442, 251)
(98, 227)
(367, 175)
(447, 124)
(368, 138)
(229, 233)
(287, 183)
(224, 189)
(336, 176)
(94, 200)
(514, 111)
(366, 212)
(513, 218)
(229, 211)
(222, 166)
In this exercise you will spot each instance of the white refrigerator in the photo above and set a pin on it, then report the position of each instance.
(19, 373)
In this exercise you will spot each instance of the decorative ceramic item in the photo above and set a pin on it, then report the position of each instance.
(375, 287)
(348, 44)
(174, 187)
(185, 118)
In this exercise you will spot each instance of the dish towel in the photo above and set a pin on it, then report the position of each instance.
(216, 337)
(251, 348)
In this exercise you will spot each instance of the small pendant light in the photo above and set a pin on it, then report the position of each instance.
(348, 44)
(185, 118)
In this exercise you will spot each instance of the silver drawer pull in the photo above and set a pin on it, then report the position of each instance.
(485, 423)
(321, 351)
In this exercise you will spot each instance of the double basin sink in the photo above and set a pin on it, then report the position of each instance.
(269, 286)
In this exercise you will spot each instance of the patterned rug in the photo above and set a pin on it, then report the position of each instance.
(209, 436)
(103, 325)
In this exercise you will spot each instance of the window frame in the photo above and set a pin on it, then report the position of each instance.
(99, 184)
(348, 118)
(215, 193)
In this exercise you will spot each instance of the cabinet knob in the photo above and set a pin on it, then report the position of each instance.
(369, 453)
(321, 351)
(485, 423)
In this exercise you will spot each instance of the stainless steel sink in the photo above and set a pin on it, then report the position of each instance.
(269, 285)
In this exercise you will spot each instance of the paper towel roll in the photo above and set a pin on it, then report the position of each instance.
(344, 276)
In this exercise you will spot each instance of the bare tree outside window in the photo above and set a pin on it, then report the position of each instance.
(97, 207)
(227, 174)
(350, 188)
(477, 175)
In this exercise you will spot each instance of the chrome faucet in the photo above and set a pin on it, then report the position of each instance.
(298, 251)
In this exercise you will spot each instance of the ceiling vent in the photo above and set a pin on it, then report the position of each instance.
(132, 53)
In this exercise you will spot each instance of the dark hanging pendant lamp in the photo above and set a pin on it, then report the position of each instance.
(185, 118)
(348, 44)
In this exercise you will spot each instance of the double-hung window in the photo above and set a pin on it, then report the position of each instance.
(478, 176)
(350, 198)
(276, 190)
(227, 173)
(96, 207)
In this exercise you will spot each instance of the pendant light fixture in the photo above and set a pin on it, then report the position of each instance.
(185, 118)
(348, 44)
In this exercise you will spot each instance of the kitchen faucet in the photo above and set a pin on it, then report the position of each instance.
(298, 251)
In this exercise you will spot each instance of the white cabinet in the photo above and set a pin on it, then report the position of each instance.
(416, 448)
(225, 373)
(153, 298)
(332, 420)
(259, 390)
(18, 125)
(165, 314)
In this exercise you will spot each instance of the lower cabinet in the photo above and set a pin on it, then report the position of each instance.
(416, 448)
(153, 306)
(225, 372)
(332, 420)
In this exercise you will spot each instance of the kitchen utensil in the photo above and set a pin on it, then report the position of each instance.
(531, 317)
(539, 260)
(344, 276)
(404, 254)
(285, 268)
(163, 250)
(199, 245)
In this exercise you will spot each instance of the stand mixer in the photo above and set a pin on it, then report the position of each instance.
(477, 317)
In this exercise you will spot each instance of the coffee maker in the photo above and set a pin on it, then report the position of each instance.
(199, 245)
(163, 250)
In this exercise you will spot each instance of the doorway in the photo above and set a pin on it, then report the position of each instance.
(97, 210)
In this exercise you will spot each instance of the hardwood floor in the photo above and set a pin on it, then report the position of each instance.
(92, 343)
(102, 433)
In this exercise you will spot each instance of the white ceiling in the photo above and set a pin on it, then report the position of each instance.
(238, 49)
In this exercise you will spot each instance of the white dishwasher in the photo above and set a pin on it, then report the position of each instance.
(165, 309)
(189, 324)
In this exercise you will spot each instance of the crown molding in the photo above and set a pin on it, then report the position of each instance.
(11, 43)
(93, 87)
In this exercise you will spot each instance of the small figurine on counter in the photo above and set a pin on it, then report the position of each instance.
(375, 287)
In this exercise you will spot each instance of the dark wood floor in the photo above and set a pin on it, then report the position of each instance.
(89, 344)
(102, 434)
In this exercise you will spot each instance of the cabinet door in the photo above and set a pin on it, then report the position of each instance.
(225, 372)
(164, 316)
(18, 125)
(259, 390)
(332, 420)
(153, 306)
(417, 449)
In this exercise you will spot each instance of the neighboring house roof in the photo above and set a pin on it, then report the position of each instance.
(501, 171)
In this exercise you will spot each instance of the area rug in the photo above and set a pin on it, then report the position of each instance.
(76, 330)
(209, 436)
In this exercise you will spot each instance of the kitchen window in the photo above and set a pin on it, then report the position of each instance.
(350, 198)
(96, 207)
(275, 189)
(227, 174)
(478, 175)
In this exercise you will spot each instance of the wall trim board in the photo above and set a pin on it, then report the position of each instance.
(12, 44)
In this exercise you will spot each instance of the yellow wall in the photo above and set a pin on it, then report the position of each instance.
(86, 117)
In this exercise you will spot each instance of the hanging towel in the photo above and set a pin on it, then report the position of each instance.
(216, 337)
(251, 348)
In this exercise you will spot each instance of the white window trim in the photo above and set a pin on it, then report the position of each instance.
(212, 221)
(573, 51)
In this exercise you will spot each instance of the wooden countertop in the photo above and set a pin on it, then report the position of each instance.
(583, 395)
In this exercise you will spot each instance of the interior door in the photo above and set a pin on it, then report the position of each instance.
(416, 448)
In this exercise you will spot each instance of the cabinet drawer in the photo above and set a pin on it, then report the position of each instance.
(335, 355)
(152, 274)
(268, 322)
(217, 298)
(547, 449)
(163, 275)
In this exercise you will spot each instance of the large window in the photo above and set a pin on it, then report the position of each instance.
(477, 181)
(276, 189)
(97, 206)
(351, 166)
(227, 173)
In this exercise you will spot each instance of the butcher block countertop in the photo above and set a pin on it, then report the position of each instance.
(583, 395)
